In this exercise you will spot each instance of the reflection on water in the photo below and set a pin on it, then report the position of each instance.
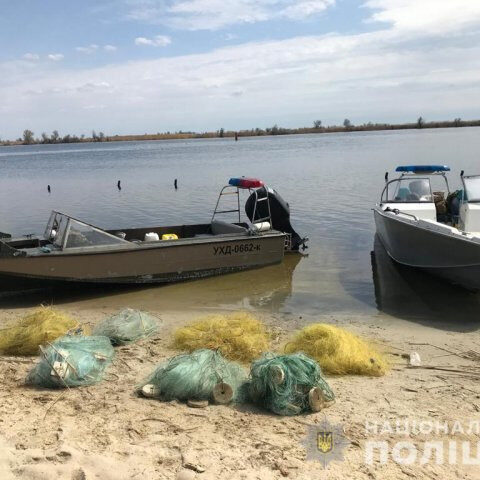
(410, 293)
(267, 288)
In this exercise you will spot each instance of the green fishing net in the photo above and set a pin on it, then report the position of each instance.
(287, 384)
(127, 326)
(195, 376)
(72, 361)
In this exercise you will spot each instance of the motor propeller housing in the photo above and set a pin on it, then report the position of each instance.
(279, 211)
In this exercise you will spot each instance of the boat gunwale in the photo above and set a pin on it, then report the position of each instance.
(137, 247)
(442, 228)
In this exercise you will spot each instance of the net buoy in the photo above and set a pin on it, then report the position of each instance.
(197, 403)
(60, 369)
(222, 393)
(316, 399)
(277, 374)
(150, 391)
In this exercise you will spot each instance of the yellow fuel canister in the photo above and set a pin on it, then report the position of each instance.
(169, 236)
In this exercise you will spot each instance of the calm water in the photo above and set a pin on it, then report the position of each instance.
(331, 182)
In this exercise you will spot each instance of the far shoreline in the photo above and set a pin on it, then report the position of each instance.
(268, 132)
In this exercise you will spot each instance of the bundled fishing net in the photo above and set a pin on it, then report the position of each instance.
(72, 361)
(238, 336)
(201, 375)
(288, 384)
(127, 326)
(338, 351)
(43, 325)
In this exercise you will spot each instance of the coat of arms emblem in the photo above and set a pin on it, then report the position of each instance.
(325, 442)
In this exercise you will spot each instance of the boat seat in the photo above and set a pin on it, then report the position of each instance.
(221, 228)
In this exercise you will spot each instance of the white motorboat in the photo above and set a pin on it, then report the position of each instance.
(424, 225)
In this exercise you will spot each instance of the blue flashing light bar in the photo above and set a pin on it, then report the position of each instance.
(422, 168)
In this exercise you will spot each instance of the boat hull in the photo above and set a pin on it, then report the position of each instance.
(162, 263)
(453, 258)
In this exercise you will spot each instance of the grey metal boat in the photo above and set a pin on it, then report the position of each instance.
(426, 226)
(72, 250)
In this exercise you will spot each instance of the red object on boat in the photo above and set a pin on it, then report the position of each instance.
(242, 182)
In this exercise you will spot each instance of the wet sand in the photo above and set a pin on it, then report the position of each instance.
(105, 431)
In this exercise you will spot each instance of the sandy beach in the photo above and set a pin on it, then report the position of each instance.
(106, 432)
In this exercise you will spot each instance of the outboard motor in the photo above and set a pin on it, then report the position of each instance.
(279, 211)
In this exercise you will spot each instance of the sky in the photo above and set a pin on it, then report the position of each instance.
(147, 66)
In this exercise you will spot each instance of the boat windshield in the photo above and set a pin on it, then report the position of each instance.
(408, 189)
(472, 188)
(66, 232)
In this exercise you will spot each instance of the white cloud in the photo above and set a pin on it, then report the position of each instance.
(217, 14)
(157, 41)
(143, 41)
(94, 86)
(88, 50)
(426, 16)
(31, 57)
(55, 57)
(306, 8)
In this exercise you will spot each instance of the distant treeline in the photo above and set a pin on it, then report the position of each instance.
(28, 137)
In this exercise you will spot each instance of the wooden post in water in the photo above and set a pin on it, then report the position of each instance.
(175, 184)
(49, 189)
(118, 185)
(236, 136)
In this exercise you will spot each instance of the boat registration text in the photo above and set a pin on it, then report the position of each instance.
(233, 249)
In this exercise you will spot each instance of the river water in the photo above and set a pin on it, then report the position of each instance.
(331, 182)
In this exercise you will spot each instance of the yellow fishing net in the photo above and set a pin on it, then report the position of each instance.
(338, 351)
(238, 336)
(43, 325)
